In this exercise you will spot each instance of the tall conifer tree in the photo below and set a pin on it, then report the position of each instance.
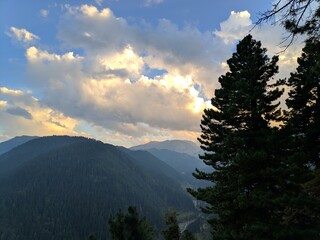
(130, 226)
(303, 127)
(304, 102)
(172, 231)
(252, 182)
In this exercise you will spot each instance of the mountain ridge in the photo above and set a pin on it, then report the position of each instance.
(181, 146)
(14, 142)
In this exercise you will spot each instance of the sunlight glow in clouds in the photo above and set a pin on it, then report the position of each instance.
(22, 35)
(29, 116)
(7, 91)
(3, 105)
(107, 91)
(33, 54)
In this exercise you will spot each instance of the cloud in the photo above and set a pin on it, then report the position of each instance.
(19, 112)
(108, 91)
(109, 81)
(3, 105)
(34, 55)
(23, 114)
(11, 92)
(183, 51)
(237, 25)
(44, 13)
(100, 31)
(126, 63)
(111, 98)
(22, 35)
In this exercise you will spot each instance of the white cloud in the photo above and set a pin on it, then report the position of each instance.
(184, 51)
(34, 55)
(107, 91)
(8, 91)
(235, 27)
(44, 13)
(31, 117)
(22, 35)
(110, 78)
(165, 102)
(239, 24)
(126, 63)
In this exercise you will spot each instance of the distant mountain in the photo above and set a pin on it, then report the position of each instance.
(151, 163)
(180, 146)
(14, 142)
(182, 162)
(67, 187)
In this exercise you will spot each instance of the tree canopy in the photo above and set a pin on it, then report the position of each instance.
(130, 226)
(255, 179)
(297, 16)
(304, 101)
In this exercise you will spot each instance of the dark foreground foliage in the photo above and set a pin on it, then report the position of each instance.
(259, 170)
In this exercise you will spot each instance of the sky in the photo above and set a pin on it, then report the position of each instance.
(124, 72)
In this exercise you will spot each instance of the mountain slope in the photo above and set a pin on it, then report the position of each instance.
(149, 162)
(183, 156)
(67, 187)
(183, 163)
(33, 148)
(180, 146)
(14, 142)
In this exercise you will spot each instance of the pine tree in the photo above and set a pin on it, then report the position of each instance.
(187, 235)
(303, 127)
(92, 237)
(172, 231)
(252, 182)
(130, 226)
(304, 102)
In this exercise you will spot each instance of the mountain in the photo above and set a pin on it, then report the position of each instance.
(181, 155)
(154, 165)
(22, 154)
(67, 187)
(180, 146)
(14, 142)
(182, 162)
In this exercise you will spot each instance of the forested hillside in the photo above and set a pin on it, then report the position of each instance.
(67, 187)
